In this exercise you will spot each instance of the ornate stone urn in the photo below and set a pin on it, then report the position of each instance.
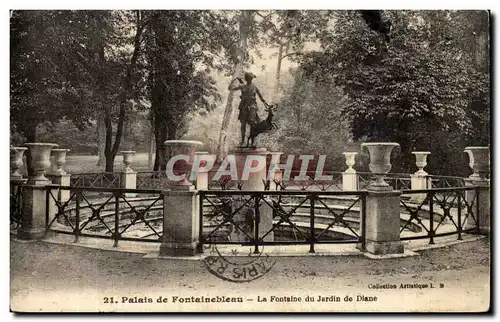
(127, 160)
(181, 167)
(350, 161)
(421, 161)
(349, 177)
(419, 179)
(380, 161)
(40, 159)
(479, 161)
(16, 162)
(59, 160)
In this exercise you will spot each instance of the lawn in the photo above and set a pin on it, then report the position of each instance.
(88, 163)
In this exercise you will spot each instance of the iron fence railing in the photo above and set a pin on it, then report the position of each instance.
(159, 180)
(152, 180)
(446, 181)
(440, 212)
(96, 180)
(235, 217)
(118, 214)
(312, 184)
(314, 213)
(15, 204)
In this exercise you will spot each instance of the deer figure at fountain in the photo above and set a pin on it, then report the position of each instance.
(263, 126)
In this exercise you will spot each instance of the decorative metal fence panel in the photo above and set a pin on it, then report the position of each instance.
(152, 180)
(96, 180)
(446, 181)
(15, 205)
(398, 181)
(439, 212)
(296, 212)
(281, 217)
(118, 214)
(312, 184)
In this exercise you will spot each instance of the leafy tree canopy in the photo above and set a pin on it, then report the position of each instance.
(418, 84)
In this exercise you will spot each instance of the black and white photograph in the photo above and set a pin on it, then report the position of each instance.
(257, 160)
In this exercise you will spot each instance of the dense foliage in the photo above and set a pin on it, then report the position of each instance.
(177, 44)
(419, 78)
(417, 88)
(50, 67)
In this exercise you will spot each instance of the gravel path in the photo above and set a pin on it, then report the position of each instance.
(53, 277)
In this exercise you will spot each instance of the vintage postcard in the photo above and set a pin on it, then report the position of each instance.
(250, 161)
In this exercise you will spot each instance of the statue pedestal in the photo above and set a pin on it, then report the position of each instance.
(33, 210)
(251, 166)
(180, 222)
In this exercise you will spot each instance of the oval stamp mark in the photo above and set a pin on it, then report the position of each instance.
(237, 268)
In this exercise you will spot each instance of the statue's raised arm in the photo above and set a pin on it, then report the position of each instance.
(233, 86)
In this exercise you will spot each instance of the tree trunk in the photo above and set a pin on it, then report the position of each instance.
(283, 49)
(160, 129)
(110, 159)
(245, 20)
(278, 71)
(101, 141)
(111, 149)
(151, 148)
(228, 113)
(110, 162)
(481, 42)
(160, 137)
(151, 140)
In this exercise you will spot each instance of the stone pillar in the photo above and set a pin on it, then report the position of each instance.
(202, 179)
(383, 222)
(181, 215)
(266, 221)
(479, 161)
(202, 172)
(251, 166)
(34, 193)
(180, 222)
(252, 169)
(483, 212)
(266, 212)
(382, 205)
(276, 178)
(59, 177)
(275, 175)
(420, 179)
(128, 177)
(349, 176)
